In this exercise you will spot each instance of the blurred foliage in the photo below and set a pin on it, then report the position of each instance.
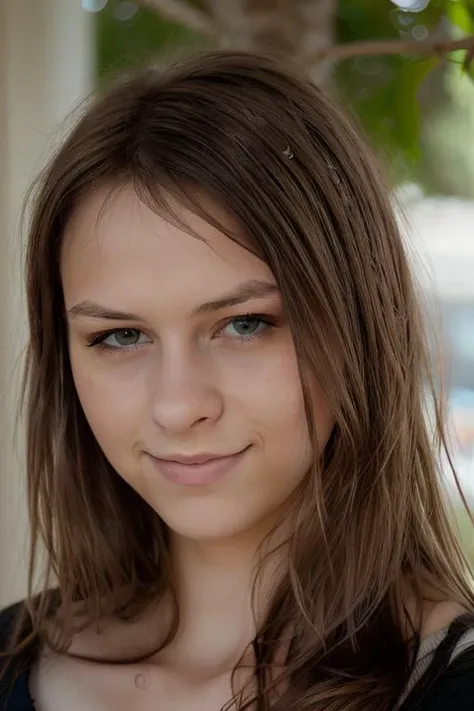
(129, 35)
(383, 91)
(446, 144)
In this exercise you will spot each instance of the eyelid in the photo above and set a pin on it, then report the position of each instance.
(266, 319)
(99, 337)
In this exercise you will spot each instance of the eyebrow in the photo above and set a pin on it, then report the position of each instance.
(253, 289)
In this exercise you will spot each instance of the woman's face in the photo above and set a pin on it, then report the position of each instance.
(185, 367)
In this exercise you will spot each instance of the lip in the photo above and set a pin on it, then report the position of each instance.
(197, 470)
(194, 459)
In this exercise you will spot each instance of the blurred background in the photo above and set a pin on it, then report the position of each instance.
(403, 68)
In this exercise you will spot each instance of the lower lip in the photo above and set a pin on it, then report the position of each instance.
(197, 474)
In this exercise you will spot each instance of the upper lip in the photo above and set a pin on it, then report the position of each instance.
(194, 458)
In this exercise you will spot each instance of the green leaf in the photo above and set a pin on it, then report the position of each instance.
(460, 15)
(406, 105)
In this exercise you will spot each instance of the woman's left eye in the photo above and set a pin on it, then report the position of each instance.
(245, 328)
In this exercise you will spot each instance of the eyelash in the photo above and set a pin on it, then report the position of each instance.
(97, 339)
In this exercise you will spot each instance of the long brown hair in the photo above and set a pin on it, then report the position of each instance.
(371, 521)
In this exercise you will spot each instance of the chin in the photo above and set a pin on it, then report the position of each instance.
(205, 530)
(208, 523)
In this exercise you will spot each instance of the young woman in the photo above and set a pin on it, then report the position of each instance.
(229, 461)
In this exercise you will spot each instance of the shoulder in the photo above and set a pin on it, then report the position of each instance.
(453, 690)
(9, 618)
(18, 644)
(13, 685)
(440, 615)
(448, 683)
(18, 640)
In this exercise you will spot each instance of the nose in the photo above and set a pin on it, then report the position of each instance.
(185, 393)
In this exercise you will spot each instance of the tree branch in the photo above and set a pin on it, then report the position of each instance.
(386, 47)
(179, 11)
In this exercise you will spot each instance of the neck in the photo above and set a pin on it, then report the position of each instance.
(221, 602)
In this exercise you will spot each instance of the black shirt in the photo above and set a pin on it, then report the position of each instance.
(445, 686)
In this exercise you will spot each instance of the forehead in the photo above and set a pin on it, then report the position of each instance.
(116, 246)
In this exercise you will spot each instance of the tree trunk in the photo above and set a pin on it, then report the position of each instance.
(298, 29)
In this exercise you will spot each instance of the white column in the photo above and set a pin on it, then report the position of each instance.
(46, 68)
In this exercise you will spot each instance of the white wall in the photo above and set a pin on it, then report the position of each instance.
(46, 63)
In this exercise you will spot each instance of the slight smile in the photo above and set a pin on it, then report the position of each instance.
(197, 470)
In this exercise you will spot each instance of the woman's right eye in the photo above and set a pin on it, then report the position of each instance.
(120, 339)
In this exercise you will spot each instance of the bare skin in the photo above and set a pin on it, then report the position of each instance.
(182, 379)
(175, 679)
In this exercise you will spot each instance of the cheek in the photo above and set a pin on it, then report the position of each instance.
(275, 403)
(112, 409)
